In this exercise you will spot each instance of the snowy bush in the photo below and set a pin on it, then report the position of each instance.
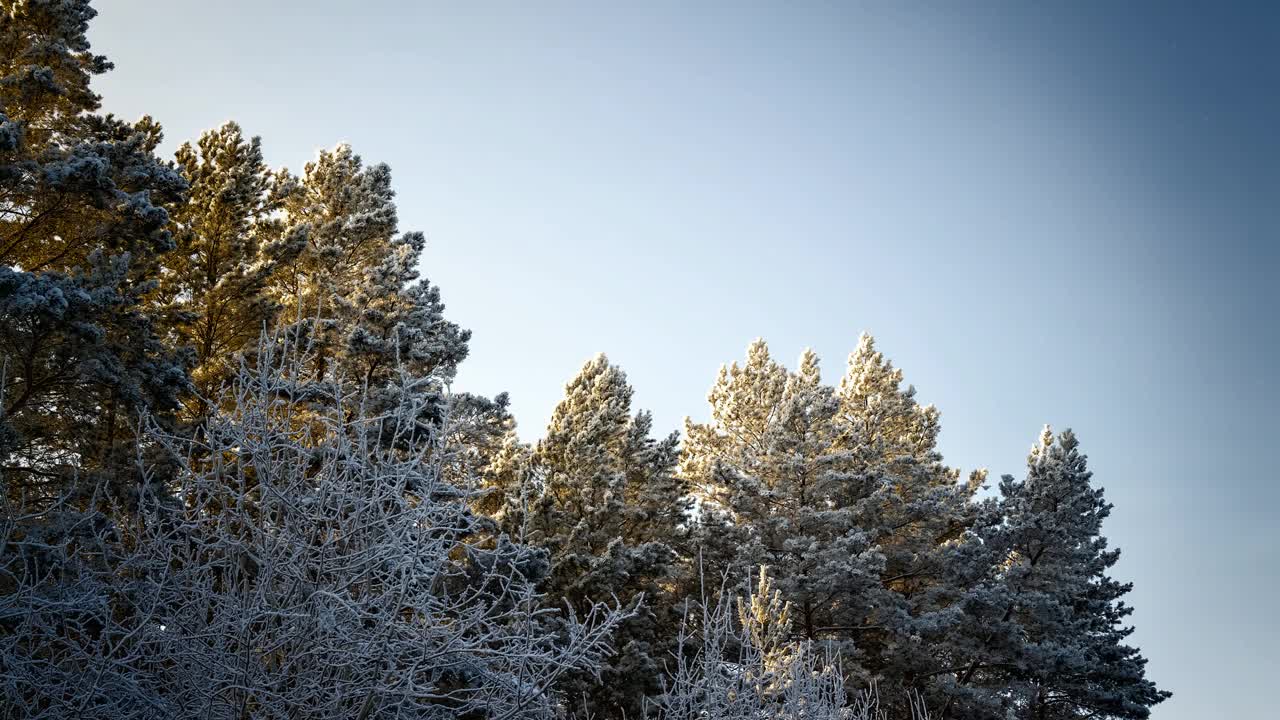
(752, 670)
(302, 567)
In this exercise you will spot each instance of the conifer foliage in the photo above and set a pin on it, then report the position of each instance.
(83, 225)
(770, 473)
(610, 512)
(236, 481)
(1050, 617)
(230, 242)
(357, 276)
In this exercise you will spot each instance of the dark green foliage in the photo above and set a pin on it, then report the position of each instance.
(83, 227)
(610, 510)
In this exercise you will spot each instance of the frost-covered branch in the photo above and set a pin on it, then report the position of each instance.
(306, 567)
(750, 670)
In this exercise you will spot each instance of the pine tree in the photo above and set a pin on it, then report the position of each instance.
(483, 452)
(356, 280)
(503, 479)
(1048, 640)
(843, 494)
(916, 512)
(229, 244)
(656, 499)
(82, 229)
(892, 442)
(360, 276)
(771, 477)
(610, 512)
(765, 618)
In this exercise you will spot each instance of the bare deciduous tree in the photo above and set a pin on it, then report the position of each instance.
(303, 568)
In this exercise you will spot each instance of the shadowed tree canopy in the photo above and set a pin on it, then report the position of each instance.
(610, 511)
(83, 225)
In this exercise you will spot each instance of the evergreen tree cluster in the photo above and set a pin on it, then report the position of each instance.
(235, 482)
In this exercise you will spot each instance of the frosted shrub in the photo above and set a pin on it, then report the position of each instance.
(751, 670)
(309, 563)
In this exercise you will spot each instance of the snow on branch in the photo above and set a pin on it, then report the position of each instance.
(308, 563)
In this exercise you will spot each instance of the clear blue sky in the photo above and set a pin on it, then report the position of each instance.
(1060, 215)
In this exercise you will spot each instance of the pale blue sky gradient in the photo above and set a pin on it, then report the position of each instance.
(1064, 216)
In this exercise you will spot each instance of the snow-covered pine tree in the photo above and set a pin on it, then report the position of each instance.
(357, 279)
(504, 482)
(891, 441)
(228, 246)
(1047, 629)
(483, 452)
(360, 275)
(771, 478)
(610, 511)
(915, 510)
(82, 228)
